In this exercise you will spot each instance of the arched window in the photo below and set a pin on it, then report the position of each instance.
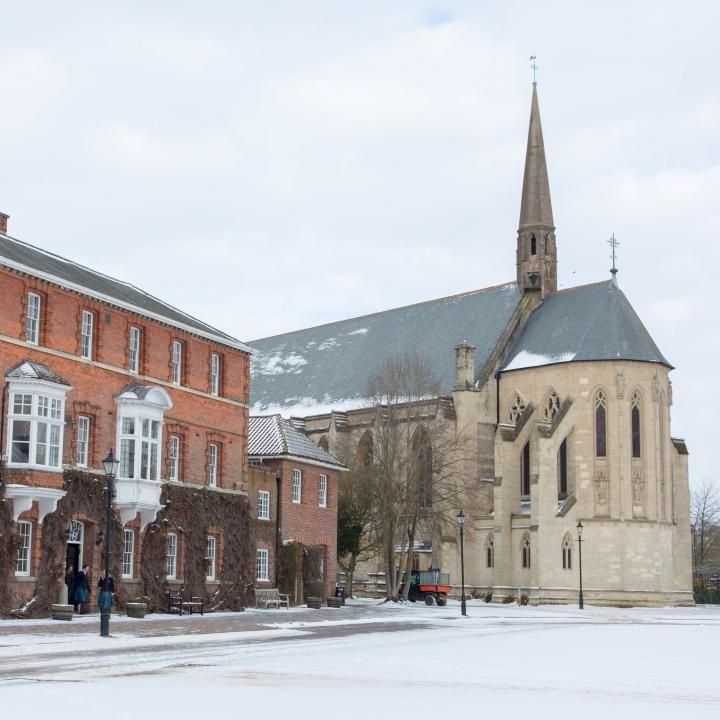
(364, 454)
(422, 467)
(525, 551)
(533, 245)
(517, 408)
(635, 424)
(552, 406)
(567, 553)
(490, 552)
(525, 470)
(600, 424)
(562, 470)
(324, 443)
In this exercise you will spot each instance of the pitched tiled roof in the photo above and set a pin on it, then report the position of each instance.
(273, 436)
(40, 263)
(323, 368)
(590, 322)
(29, 370)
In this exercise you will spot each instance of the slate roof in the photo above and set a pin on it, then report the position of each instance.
(590, 322)
(40, 263)
(273, 436)
(29, 370)
(323, 368)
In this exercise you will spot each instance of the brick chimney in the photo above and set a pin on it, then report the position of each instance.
(3, 222)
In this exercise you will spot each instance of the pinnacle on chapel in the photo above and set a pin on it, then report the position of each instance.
(536, 249)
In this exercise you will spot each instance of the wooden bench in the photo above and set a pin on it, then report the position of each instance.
(181, 603)
(271, 597)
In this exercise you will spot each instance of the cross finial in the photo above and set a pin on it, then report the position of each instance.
(534, 67)
(613, 242)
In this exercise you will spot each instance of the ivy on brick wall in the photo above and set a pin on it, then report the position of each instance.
(8, 550)
(192, 513)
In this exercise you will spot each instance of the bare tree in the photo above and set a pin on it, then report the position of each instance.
(356, 542)
(705, 525)
(417, 475)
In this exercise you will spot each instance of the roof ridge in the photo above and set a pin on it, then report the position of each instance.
(389, 310)
(97, 273)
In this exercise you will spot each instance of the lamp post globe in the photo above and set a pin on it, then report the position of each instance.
(110, 468)
(461, 523)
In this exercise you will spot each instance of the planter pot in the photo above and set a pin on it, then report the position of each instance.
(136, 610)
(61, 612)
(314, 602)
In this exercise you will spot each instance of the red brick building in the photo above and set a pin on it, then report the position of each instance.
(294, 489)
(91, 363)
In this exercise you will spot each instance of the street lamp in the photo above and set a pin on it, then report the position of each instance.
(579, 532)
(110, 466)
(461, 523)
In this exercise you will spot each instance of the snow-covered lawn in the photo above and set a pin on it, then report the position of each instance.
(501, 661)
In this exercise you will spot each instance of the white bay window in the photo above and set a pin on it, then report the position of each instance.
(139, 442)
(35, 421)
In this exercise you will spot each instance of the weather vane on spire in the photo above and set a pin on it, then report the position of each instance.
(533, 65)
(613, 242)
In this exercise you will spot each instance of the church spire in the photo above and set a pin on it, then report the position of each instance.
(536, 250)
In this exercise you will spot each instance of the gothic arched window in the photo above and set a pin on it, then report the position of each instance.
(490, 552)
(635, 424)
(525, 551)
(365, 454)
(562, 470)
(567, 553)
(422, 467)
(600, 424)
(525, 470)
(533, 245)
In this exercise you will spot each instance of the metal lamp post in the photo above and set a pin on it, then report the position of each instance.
(461, 523)
(110, 466)
(579, 532)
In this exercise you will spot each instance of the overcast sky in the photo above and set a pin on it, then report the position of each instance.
(268, 166)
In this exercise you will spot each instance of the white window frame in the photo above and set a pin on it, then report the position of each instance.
(174, 458)
(263, 505)
(134, 349)
(214, 374)
(171, 566)
(140, 444)
(322, 491)
(177, 352)
(297, 486)
(128, 555)
(82, 452)
(262, 565)
(213, 454)
(37, 410)
(32, 318)
(86, 334)
(23, 561)
(210, 557)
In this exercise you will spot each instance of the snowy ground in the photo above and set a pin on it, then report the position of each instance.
(368, 661)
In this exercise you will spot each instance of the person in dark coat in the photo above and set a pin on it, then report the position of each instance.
(106, 586)
(70, 582)
(82, 588)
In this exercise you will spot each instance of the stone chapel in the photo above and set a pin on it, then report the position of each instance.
(568, 399)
